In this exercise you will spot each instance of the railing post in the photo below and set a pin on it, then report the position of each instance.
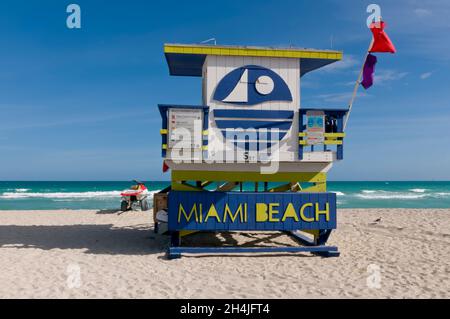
(300, 130)
(340, 129)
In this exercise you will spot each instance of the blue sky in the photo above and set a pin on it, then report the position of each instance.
(81, 104)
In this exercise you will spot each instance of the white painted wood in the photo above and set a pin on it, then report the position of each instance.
(217, 67)
(251, 167)
(240, 92)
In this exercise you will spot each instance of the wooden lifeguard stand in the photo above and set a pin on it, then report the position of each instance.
(250, 157)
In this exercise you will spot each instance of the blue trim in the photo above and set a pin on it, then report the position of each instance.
(181, 64)
(255, 114)
(176, 252)
(332, 112)
(185, 64)
(340, 148)
(300, 128)
(242, 135)
(228, 124)
(165, 107)
(253, 146)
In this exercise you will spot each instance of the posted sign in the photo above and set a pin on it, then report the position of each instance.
(315, 127)
(220, 211)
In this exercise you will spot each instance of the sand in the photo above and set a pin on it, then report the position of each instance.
(79, 254)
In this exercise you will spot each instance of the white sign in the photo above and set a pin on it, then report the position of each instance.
(315, 127)
(185, 128)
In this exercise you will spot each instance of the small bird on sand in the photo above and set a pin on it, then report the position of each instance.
(375, 222)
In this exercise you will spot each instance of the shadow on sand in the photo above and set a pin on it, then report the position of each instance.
(111, 240)
(95, 239)
(110, 211)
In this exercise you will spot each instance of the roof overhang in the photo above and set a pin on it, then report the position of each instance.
(188, 60)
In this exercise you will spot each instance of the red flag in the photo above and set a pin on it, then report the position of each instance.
(165, 167)
(381, 41)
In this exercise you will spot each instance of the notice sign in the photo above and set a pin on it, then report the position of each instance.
(220, 211)
(315, 127)
(185, 128)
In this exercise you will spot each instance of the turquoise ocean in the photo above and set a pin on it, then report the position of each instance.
(106, 195)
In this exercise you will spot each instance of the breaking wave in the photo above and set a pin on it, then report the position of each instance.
(60, 195)
(411, 194)
(418, 190)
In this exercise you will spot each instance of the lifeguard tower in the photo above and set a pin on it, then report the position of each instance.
(250, 157)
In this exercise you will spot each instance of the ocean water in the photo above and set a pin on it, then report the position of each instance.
(106, 195)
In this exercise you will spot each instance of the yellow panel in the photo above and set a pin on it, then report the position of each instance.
(318, 188)
(333, 142)
(312, 232)
(302, 134)
(163, 132)
(164, 146)
(185, 188)
(334, 135)
(248, 176)
(262, 52)
(184, 233)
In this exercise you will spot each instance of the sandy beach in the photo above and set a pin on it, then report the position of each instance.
(102, 254)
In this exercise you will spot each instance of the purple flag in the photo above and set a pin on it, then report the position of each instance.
(369, 69)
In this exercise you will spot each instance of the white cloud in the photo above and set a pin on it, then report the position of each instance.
(384, 76)
(426, 75)
(348, 62)
(423, 13)
(340, 97)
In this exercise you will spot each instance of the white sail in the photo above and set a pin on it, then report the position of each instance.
(240, 92)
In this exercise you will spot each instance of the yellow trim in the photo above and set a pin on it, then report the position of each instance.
(334, 135)
(184, 233)
(205, 132)
(313, 232)
(176, 186)
(302, 134)
(163, 132)
(256, 52)
(281, 188)
(333, 142)
(326, 142)
(204, 147)
(224, 176)
(164, 146)
(317, 188)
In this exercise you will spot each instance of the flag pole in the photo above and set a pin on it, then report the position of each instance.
(355, 90)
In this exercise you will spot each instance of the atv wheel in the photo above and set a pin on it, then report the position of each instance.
(124, 206)
(144, 205)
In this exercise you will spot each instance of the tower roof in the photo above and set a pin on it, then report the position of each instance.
(188, 59)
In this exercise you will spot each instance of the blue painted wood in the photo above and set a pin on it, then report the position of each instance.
(243, 124)
(302, 239)
(196, 206)
(254, 114)
(233, 250)
(340, 148)
(259, 136)
(300, 127)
